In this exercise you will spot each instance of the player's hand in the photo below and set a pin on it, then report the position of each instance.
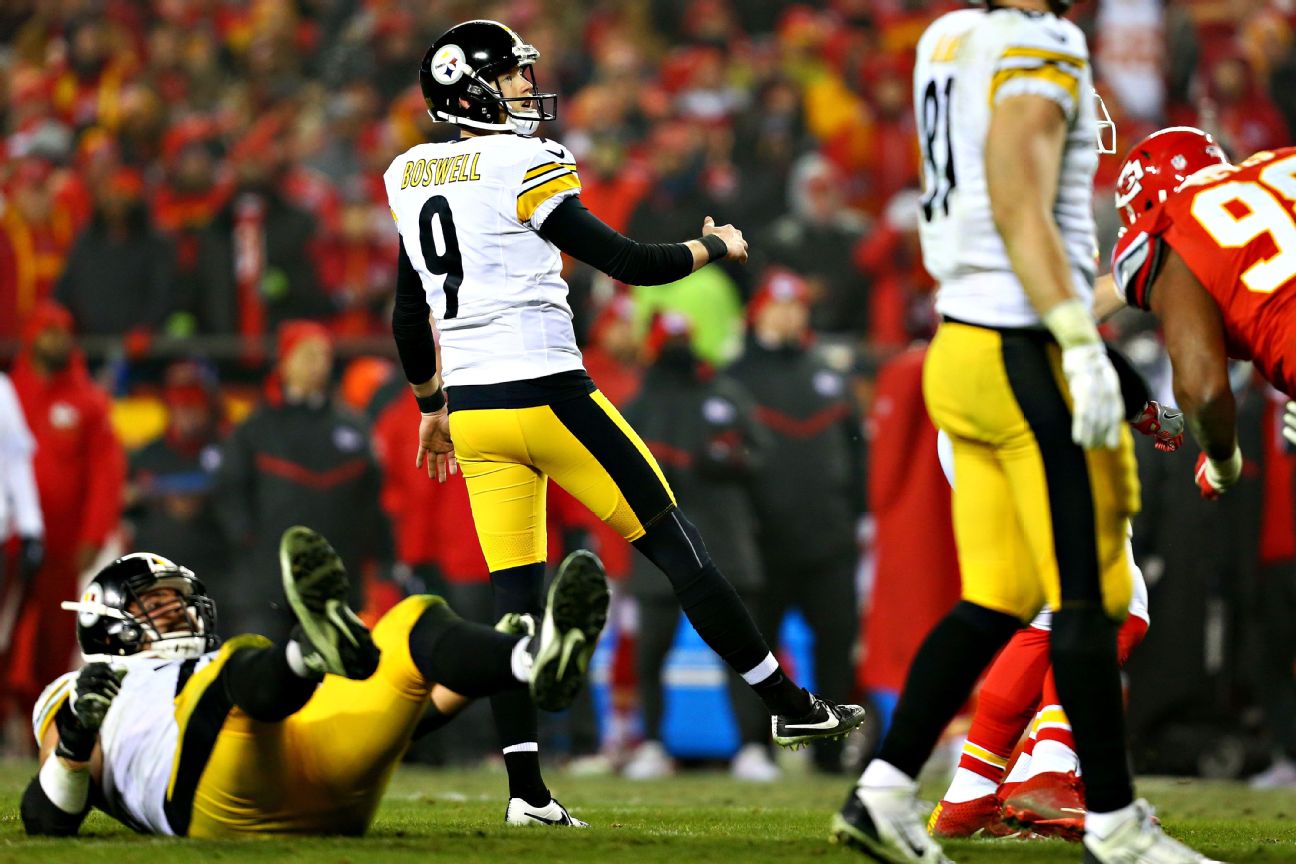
(1096, 406)
(435, 446)
(1289, 424)
(96, 688)
(1215, 478)
(732, 237)
(1162, 423)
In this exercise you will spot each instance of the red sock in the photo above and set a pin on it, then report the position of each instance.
(1006, 702)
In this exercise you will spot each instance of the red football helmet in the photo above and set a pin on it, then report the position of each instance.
(1159, 164)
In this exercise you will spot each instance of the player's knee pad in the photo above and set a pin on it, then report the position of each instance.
(519, 589)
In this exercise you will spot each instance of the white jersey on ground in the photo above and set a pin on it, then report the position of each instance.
(139, 738)
(469, 213)
(969, 61)
(1044, 620)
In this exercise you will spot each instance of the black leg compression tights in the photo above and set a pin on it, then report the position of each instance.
(943, 673)
(1083, 651)
(262, 684)
(471, 659)
(520, 589)
(715, 610)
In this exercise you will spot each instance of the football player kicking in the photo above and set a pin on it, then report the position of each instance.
(171, 734)
(482, 221)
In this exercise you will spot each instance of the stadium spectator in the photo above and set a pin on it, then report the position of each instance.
(118, 258)
(814, 239)
(35, 235)
(806, 529)
(703, 433)
(172, 479)
(253, 266)
(80, 469)
(900, 307)
(297, 459)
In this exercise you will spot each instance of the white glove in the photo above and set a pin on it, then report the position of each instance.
(1097, 408)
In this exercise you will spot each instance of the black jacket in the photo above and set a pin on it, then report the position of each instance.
(709, 448)
(810, 496)
(298, 464)
(113, 285)
(175, 513)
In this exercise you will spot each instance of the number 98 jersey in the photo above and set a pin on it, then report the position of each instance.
(469, 213)
(1235, 228)
(967, 62)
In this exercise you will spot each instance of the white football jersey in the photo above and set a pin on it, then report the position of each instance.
(469, 213)
(139, 738)
(968, 61)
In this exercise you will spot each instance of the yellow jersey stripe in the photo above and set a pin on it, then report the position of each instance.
(1065, 81)
(1045, 55)
(984, 755)
(529, 201)
(548, 166)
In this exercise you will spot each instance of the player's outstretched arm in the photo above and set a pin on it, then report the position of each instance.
(58, 798)
(578, 232)
(1194, 339)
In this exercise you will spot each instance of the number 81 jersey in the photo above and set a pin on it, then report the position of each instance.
(1235, 228)
(469, 213)
(967, 62)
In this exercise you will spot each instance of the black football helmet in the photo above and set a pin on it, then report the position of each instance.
(459, 77)
(107, 628)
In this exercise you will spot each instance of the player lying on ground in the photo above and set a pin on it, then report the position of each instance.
(171, 735)
(482, 222)
(1042, 795)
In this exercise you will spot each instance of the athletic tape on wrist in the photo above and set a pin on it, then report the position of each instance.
(67, 789)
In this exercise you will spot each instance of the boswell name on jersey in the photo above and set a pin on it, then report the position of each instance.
(447, 169)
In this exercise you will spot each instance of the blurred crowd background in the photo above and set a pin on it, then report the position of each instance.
(197, 265)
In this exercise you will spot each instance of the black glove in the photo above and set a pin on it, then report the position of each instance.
(31, 555)
(79, 719)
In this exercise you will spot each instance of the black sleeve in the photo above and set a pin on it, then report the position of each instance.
(41, 817)
(410, 324)
(1134, 389)
(578, 232)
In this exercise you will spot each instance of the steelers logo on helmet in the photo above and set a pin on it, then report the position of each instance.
(449, 64)
(93, 597)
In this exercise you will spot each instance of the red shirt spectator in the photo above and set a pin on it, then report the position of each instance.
(80, 473)
(35, 236)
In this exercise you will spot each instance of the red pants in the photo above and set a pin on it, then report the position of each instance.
(43, 644)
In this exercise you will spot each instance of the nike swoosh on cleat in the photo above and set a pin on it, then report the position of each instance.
(826, 724)
(1079, 810)
(559, 821)
(571, 644)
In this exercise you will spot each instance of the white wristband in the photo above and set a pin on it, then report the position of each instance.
(1072, 324)
(67, 789)
(1224, 473)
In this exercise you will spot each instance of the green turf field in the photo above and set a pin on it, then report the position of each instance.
(457, 816)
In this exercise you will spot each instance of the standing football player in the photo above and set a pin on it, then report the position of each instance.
(482, 221)
(1019, 379)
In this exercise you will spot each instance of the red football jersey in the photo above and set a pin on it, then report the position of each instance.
(1236, 231)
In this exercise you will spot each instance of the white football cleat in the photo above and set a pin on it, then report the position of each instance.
(1140, 840)
(753, 764)
(519, 812)
(649, 762)
(886, 825)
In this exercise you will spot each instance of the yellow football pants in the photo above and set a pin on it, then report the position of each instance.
(1037, 519)
(507, 455)
(324, 769)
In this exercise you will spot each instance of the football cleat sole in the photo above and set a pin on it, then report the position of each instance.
(575, 613)
(316, 586)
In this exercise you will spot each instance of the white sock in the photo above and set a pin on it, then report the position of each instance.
(293, 651)
(968, 785)
(520, 660)
(1021, 769)
(884, 775)
(1103, 824)
(1053, 756)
